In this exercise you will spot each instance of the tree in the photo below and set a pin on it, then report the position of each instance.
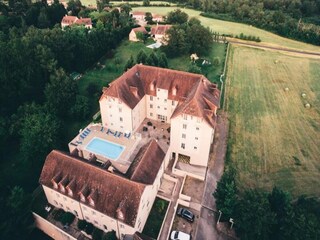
(200, 39)
(254, 218)
(80, 110)
(163, 61)
(43, 21)
(154, 58)
(149, 61)
(194, 69)
(39, 134)
(126, 8)
(177, 42)
(146, 3)
(141, 57)
(60, 93)
(142, 36)
(177, 17)
(130, 63)
(74, 6)
(194, 21)
(226, 194)
(148, 17)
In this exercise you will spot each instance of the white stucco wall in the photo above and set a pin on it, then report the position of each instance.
(115, 114)
(195, 134)
(133, 36)
(138, 113)
(62, 201)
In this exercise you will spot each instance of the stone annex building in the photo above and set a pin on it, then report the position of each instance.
(153, 120)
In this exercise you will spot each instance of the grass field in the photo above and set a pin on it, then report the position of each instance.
(235, 28)
(116, 3)
(274, 139)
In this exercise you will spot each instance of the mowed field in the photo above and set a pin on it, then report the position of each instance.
(273, 138)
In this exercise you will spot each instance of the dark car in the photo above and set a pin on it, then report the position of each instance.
(186, 214)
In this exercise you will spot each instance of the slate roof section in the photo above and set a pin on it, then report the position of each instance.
(111, 193)
(196, 95)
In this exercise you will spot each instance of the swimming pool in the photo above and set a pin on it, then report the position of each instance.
(105, 148)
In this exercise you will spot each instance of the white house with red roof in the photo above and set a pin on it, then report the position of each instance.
(133, 34)
(158, 33)
(72, 20)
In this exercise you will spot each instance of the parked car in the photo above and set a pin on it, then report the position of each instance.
(177, 235)
(186, 214)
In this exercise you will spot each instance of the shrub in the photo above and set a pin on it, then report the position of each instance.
(92, 89)
(216, 61)
(110, 236)
(89, 228)
(81, 224)
(67, 218)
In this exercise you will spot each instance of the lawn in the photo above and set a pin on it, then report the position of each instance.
(155, 219)
(112, 67)
(274, 139)
(225, 27)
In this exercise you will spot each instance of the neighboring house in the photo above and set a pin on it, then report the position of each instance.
(134, 31)
(158, 33)
(72, 20)
(111, 202)
(157, 18)
(185, 100)
(139, 17)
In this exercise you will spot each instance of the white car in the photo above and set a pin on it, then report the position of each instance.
(177, 235)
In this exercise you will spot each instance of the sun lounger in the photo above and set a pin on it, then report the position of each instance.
(88, 129)
(101, 130)
(127, 135)
(115, 134)
(119, 134)
(78, 142)
(108, 131)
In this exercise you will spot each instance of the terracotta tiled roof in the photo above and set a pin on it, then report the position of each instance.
(196, 95)
(146, 164)
(160, 29)
(140, 29)
(84, 21)
(69, 19)
(137, 13)
(111, 193)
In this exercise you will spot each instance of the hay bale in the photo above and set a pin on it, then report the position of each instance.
(286, 89)
(276, 61)
(303, 95)
(307, 105)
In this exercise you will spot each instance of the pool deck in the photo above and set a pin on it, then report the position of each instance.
(96, 131)
(140, 137)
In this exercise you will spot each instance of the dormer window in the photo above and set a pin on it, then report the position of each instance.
(82, 198)
(62, 189)
(91, 202)
(152, 86)
(120, 215)
(174, 91)
(70, 193)
(55, 185)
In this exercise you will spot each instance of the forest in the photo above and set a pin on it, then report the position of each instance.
(38, 96)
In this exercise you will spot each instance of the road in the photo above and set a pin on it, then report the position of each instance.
(206, 225)
(260, 45)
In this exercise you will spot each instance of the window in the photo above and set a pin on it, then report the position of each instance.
(162, 118)
(121, 226)
(151, 98)
(148, 203)
(68, 208)
(165, 100)
(158, 107)
(197, 128)
(120, 109)
(109, 106)
(183, 145)
(158, 89)
(151, 114)
(196, 138)
(87, 218)
(151, 105)
(185, 116)
(183, 135)
(165, 108)
(195, 148)
(121, 119)
(64, 198)
(110, 115)
(61, 205)
(95, 222)
(105, 227)
(172, 103)
(76, 213)
(55, 202)
(93, 212)
(184, 126)
(121, 126)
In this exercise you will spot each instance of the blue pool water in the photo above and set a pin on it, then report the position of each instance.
(105, 148)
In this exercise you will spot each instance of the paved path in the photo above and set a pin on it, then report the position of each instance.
(166, 227)
(206, 225)
(261, 45)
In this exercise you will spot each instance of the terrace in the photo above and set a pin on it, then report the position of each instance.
(131, 143)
